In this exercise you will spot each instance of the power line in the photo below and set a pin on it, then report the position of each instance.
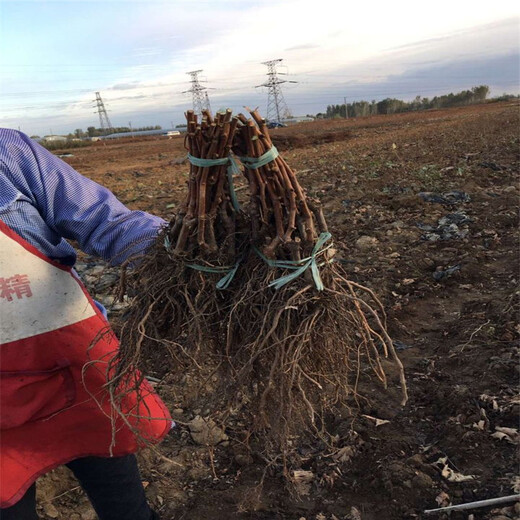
(104, 121)
(276, 106)
(199, 93)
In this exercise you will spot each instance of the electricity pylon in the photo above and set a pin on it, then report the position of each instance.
(104, 121)
(199, 93)
(276, 106)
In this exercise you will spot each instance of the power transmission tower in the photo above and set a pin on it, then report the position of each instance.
(276, 106)
(199, 93)
(104, 121)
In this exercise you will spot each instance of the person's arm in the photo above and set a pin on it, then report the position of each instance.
(78, 208)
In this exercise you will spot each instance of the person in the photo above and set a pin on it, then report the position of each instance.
(55, 341)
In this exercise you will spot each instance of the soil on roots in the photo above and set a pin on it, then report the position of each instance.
(302, 354)
(285, 361)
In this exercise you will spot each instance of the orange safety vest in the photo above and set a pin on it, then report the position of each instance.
(55, 346)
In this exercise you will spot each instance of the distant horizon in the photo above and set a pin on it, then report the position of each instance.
(137, 53)
(175, 126)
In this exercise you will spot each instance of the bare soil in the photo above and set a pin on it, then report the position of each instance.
(452, 298)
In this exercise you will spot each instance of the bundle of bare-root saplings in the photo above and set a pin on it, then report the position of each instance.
(178, 289)
(254, 292)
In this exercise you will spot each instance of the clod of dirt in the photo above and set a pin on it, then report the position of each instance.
(206, 432)
(242, 456)
(365, 242)
(243, 459)
(422, 480)
(177, 413)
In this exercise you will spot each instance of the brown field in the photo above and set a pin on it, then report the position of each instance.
(458, 331)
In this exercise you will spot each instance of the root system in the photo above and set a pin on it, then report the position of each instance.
(288, 335)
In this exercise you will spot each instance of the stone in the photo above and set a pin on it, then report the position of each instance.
(365, 242)
(205, 432)
(416, 460)
(178, 413)
(198, 473)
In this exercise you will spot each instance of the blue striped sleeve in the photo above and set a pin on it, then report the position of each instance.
(73, 206)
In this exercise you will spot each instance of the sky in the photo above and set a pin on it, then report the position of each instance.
(55, 55)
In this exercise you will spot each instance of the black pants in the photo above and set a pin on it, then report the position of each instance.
(113, 485)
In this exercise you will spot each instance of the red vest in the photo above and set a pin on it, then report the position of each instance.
(53, 407)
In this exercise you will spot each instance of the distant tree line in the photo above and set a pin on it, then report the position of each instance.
(393, 106)
(96, 132)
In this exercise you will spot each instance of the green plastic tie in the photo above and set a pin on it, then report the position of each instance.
(224, 282)
(253, 163)
(232, 169)
(300, 266)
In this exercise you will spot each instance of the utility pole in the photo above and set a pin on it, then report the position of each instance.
(346, 111)
(199, 93)
(104, 122)
(276, 106)
(208, 106)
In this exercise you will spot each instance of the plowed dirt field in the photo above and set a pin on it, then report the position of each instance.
(424, 209)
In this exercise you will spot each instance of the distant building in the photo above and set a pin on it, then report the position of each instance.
(53, 138)
(140, 133)
(297, 119)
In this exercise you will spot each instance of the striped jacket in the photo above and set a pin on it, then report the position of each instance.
(47, 202)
